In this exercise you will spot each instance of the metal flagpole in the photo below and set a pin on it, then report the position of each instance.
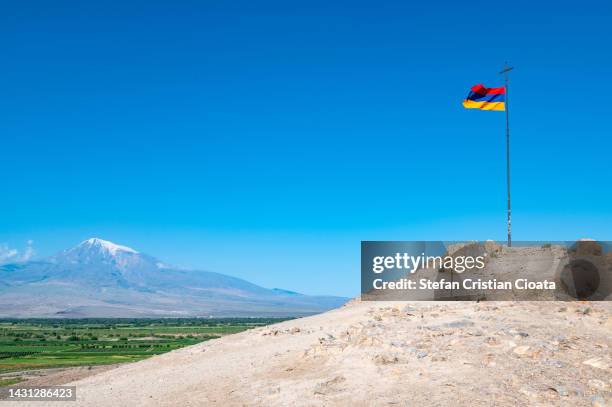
(505, 72)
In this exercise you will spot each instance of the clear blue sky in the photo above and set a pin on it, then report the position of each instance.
(266, 139)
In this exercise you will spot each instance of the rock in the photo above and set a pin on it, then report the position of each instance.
(555, 363)
(578, 391)
(551, 346)
(598, 363)
(421, 354)
(491, 247)
(598, 385)
(492, 341)
(529, 392)
(329, 386)
(598, 401)
(522, 351)
(587, 247)
(462, 323)
(559, 338)
(560, 390)
(381, 359)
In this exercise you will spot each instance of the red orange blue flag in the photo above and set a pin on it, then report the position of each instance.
(486, 98)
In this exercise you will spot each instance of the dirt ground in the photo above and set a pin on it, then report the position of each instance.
(57, 377)
(384, 354)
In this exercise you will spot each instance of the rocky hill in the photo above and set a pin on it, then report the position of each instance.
(385, 354)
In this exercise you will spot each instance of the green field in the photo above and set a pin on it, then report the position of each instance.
(51, 343)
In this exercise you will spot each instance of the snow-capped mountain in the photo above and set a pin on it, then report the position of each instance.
(101, 278)
(99, 247)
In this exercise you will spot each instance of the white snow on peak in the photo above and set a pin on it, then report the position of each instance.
(109, 246)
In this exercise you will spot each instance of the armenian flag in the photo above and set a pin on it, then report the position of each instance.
(486, 98)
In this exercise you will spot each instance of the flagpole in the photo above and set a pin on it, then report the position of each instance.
(505, 72)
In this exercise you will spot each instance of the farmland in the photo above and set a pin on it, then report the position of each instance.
(51, 343)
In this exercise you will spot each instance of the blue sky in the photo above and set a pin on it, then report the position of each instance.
(267, 139)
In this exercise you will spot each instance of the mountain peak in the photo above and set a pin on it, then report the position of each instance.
(105, 245)
(98, 278)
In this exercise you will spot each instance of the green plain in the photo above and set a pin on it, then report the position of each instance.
(51, 343)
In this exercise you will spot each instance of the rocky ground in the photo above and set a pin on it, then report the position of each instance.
(385, 354)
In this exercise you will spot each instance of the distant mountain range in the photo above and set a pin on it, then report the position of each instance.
(98, 278)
